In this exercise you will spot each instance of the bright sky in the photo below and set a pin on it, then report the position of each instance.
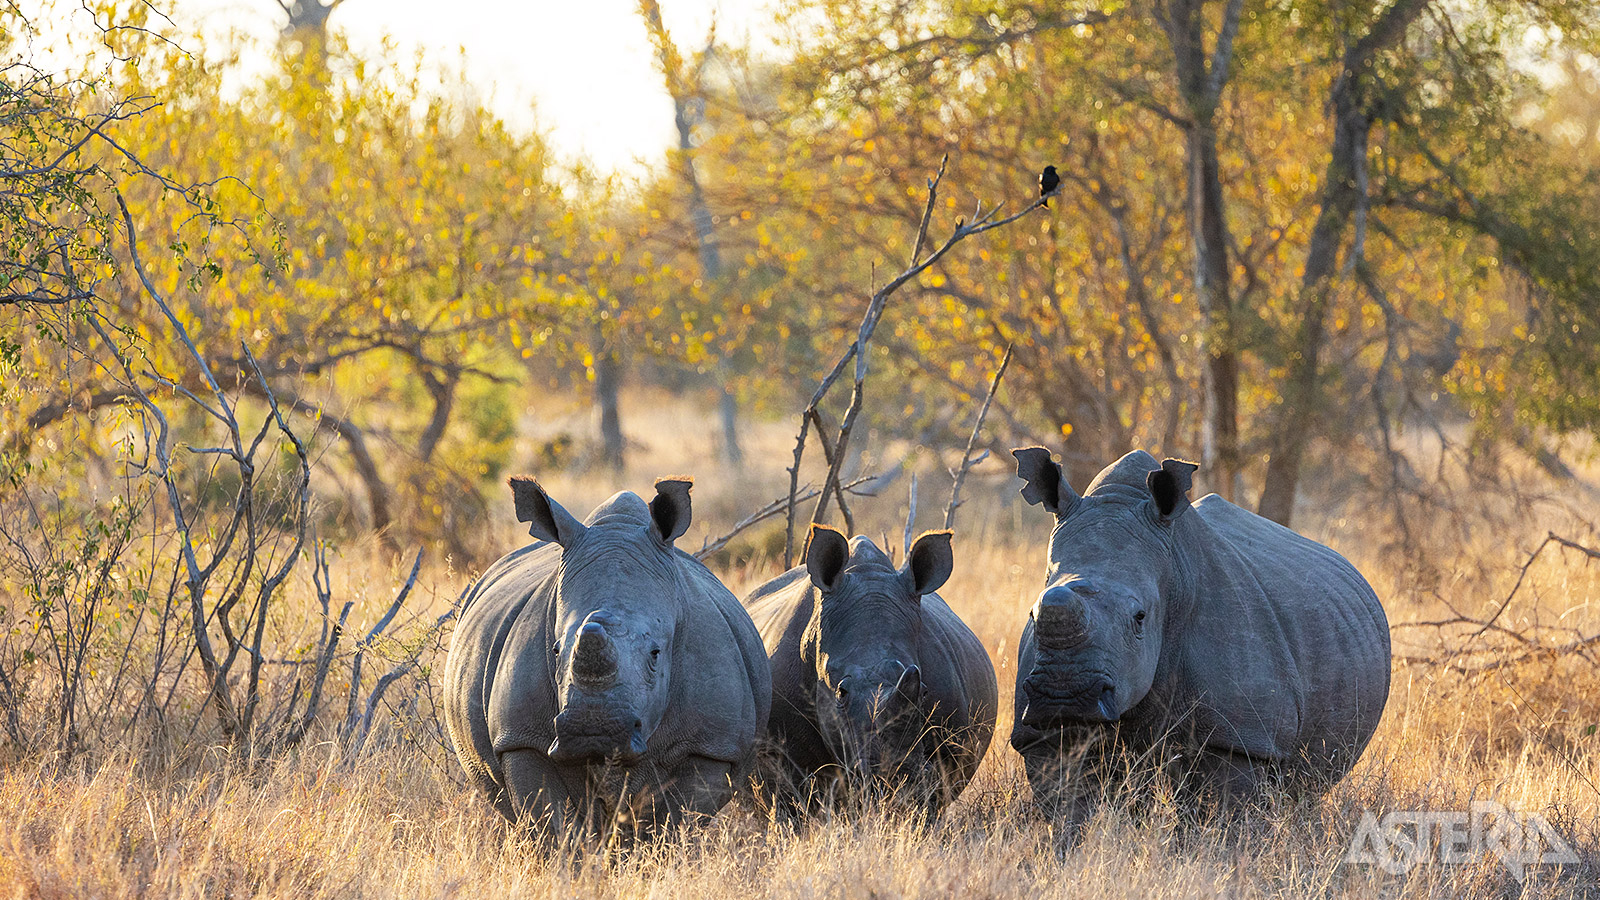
(586, 65)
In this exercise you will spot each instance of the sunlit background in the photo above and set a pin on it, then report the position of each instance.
(582, 73)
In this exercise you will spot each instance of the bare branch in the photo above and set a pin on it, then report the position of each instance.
(959, 474)
(365, 643)
(911, 516)
(712, 545)
(981, 221)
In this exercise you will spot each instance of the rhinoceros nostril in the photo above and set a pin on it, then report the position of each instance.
(1108, 703)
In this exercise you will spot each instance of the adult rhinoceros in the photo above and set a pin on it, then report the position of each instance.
(873, 676)
(1204, 638)
(603, 676)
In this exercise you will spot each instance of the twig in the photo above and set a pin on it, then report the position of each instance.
(366, 642)
(328, 642)
(1549, 538)
(911, 514)
(390, 677)
(959, 474)
(712, 545)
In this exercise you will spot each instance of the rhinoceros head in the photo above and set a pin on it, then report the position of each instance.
(869, 692)
(1099, 622)
(614, 619)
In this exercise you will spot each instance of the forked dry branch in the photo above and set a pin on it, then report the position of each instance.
(968, 461)
(834, 449)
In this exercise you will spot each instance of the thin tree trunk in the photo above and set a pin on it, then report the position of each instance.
(1201, 78)
(607, 381)
(1301, 403)
(728, 408)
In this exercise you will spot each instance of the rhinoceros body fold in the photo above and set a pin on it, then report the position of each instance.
(874, 677)
(607, 677)
(1251, 650)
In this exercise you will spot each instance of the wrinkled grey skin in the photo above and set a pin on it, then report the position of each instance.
(602, 677)
(874, 678)
(1260, 657)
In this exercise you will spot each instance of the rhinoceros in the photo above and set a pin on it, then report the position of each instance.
(874, 678)
(601, 676)
(1223, 647)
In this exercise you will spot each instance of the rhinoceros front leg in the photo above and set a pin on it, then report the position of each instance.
(538, 796)
(1065, 791)
(1220, 781)
(694, 790)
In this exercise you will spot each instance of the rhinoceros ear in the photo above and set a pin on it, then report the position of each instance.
(669, 511)
(929, 563)
(1169, 487)
(546, 520)
(827, 553)
(1044, 485)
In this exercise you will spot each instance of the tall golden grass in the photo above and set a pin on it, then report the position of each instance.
(400, 822)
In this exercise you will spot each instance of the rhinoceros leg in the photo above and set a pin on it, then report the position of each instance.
(1222, 781)
(539, 798)
(694, 790)
(1065, 790)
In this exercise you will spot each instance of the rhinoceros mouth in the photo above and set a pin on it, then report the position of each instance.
(587, 740)
(1045, 708)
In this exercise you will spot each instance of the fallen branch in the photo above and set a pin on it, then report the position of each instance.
(1526, 644)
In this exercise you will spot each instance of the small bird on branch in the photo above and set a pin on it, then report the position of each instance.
(1048, 182)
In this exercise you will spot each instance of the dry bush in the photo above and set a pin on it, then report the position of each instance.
(398, 819)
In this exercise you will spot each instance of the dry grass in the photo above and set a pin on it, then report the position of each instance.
(399, 822)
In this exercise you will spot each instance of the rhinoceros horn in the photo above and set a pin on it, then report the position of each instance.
(1060, 619)
(594, 659)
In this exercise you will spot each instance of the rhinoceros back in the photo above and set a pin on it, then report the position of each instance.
(1310, 627)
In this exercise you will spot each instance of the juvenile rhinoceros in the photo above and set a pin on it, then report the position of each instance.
(1249, 653)
(602, 676)
(873, 676)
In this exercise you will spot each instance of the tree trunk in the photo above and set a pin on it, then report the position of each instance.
(607, 381)
(1300, 406)
(443, 393)
(1201, 77)
(1343, 195)
(684, 86)
(1219, 430)
(728, 410)
(355, 442)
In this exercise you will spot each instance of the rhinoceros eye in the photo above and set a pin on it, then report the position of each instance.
(555, 649)
(1138, 622)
